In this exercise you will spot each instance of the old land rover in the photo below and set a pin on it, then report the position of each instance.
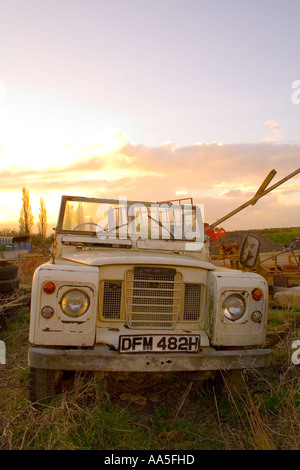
(131, 288)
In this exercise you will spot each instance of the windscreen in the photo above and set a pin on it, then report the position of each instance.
(122, 219)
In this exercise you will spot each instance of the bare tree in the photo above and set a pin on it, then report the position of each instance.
(79, 214)
(26, 217)
(69, 217)
(42, 224)
(8, 232)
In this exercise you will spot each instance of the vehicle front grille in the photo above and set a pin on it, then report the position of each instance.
(111, 293)
(153, 297)
(192, 302)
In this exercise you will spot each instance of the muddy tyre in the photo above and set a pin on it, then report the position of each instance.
(9, 285)
(230, 382)
(9, 280)
(8, 271)
(44, 384)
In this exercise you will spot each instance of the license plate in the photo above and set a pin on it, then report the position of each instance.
(159, 343)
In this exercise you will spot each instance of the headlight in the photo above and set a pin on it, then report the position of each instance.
(75, 303)
(233, 307)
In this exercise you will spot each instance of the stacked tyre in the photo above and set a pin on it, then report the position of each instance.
(9, 279)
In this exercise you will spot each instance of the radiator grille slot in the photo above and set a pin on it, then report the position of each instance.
(192, 302)
(111, 295)
(152, 300)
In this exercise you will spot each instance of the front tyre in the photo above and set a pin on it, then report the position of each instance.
(44, 384)
(230, 382)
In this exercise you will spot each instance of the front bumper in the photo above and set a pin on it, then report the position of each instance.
(101, 358)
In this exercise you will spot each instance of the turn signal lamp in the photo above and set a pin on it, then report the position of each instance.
(257, 294)
(49, 287)
(47, 311)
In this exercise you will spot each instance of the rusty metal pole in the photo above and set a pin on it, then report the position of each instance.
(255, 198)
(265, 183)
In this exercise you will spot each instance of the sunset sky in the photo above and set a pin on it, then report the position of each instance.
(153, 100)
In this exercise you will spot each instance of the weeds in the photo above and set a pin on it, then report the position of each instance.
(174, 414)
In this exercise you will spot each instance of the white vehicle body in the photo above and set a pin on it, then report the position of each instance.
(125, 303)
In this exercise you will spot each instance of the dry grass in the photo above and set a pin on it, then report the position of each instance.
(175, 413)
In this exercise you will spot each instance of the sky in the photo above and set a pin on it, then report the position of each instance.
(153, 100)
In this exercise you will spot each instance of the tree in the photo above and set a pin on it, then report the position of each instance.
(69, 217)
(42, 224)
(79, 214)
(8, 232)
(26, 217)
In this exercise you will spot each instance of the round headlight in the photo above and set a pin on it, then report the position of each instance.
(233, 307)
(75, 303)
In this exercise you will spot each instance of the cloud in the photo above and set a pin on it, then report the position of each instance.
(237, 194)
(219, 176)
(276, 135)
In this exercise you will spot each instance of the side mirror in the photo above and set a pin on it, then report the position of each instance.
(249, 252)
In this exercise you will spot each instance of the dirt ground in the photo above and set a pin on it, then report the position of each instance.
(266, 244)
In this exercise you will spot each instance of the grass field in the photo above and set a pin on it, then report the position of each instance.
(154, 412)
(282, 236)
